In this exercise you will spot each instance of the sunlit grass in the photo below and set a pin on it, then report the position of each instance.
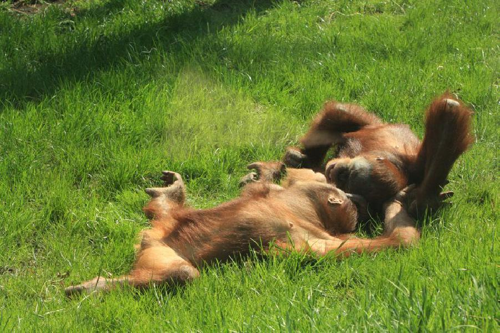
(97, 97)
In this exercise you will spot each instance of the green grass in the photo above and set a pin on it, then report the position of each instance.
(96, 98)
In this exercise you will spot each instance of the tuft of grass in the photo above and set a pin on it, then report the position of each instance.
(97, 97)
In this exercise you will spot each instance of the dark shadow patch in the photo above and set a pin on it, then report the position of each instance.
(43, 71)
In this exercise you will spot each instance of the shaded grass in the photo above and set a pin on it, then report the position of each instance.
(96, 99)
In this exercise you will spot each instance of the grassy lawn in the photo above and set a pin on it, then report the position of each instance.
(97, 97)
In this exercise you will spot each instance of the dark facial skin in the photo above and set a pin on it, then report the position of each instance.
(373, 177)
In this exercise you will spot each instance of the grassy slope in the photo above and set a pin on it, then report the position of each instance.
(93, 105)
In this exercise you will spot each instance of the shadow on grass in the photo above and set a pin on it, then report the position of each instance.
(43, 72)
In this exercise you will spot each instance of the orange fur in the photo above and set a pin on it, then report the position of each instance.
(306, 215)
(376, 160)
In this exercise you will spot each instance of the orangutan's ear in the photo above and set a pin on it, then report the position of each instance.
(334, 200)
